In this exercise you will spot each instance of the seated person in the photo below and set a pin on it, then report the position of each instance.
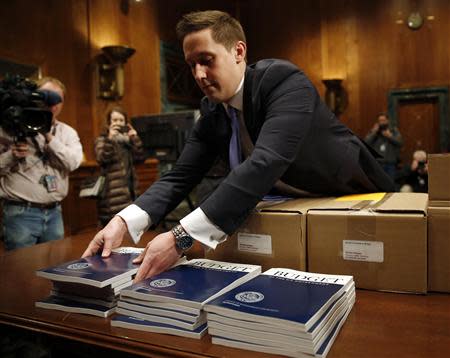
(414, 177)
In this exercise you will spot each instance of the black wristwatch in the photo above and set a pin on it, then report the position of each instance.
(183, 240)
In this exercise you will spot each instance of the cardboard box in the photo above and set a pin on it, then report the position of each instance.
(381, 242)
(274, 235)
(439, 179)
(439, 249)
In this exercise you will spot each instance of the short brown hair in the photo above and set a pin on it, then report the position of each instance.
(225, 29)
(117, 109)
(42, 81)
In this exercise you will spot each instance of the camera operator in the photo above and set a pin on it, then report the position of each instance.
(116, 150)
(414, 177)
(387, 141)
(34, 176)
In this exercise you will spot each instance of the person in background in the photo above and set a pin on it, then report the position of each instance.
(387, 141)
(116, 151)
(414, 177)
(34, 177)
(267, 122)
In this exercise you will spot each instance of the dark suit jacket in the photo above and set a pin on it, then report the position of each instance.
(297, 139)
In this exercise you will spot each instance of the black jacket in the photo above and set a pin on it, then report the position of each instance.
(297, 139)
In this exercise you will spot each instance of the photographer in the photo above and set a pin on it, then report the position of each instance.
(414, 177)
(34, 170)
(116, 150)
(387, 141)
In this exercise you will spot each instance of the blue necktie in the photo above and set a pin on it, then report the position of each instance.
(235, 153)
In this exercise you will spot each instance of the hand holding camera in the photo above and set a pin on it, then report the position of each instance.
(20, 150)
(384, 130)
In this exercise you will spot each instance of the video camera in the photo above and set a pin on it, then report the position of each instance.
(24, 109)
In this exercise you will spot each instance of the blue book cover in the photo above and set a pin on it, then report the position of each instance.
(155, 327)
(96, 270)
(192, 283)
(284, 297)
(66, 305)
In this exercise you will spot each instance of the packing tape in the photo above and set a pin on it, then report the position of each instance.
(362, 226)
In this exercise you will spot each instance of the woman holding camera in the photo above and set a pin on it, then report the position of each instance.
(116, 150)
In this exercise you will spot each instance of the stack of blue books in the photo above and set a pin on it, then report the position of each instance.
(283, 311)
(90, 285)
(172, 302)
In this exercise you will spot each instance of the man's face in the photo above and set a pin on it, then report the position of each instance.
(216, 70)
(57, 108)
(383, 121)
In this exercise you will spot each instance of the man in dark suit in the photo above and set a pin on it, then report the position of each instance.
(268, 122)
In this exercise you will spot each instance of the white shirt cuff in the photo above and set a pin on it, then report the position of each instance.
(137, 220)
(198, 225)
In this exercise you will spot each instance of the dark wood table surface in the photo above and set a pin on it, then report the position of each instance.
(380, 324)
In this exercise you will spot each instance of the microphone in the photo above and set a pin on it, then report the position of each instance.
(50, 98)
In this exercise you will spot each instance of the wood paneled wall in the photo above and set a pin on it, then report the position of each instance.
(64, 38)
(367, 43)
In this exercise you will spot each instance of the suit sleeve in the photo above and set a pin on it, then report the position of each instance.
(195, 160)
(286, 112)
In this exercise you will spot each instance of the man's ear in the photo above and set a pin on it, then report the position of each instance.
(241, 51)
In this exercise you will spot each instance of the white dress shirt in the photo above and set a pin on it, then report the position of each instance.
(196, 224)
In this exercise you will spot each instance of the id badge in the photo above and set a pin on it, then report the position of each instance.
(50, 183)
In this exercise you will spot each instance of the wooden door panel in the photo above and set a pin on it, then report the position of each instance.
(418, 122)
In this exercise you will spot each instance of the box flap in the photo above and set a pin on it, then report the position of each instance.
(301, 205)
(351, 202)
(379, 202)
(404, 202)
(433, 210)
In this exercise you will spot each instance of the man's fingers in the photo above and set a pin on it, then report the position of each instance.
(95, 245)
(107, 247)
(91, 249)
(143, 270)
(141, 256)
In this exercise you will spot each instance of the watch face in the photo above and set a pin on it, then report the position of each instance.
(184, 242)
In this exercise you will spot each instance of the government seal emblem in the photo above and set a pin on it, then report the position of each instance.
(79, 266)
(163, 282)
(249, 296)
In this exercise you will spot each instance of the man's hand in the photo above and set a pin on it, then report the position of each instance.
(387, 133)
(110, 237)
(20, 150)
(48, 137)
(159, 255)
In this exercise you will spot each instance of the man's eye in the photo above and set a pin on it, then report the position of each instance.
(207, 61)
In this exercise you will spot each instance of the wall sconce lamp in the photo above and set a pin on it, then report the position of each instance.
(110, 72)
(335, 96)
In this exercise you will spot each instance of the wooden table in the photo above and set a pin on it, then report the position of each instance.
(380, 324)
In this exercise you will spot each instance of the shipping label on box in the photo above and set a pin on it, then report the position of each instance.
(274, 235)
(382, 242)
